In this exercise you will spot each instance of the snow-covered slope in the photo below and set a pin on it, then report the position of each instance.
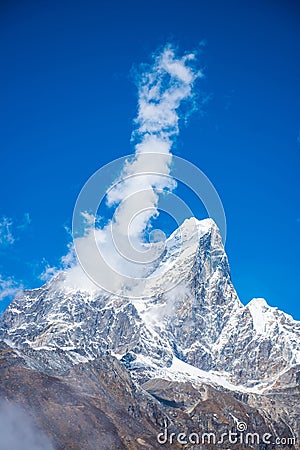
(188, 321)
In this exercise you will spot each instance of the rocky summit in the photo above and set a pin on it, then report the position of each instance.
(184, 365)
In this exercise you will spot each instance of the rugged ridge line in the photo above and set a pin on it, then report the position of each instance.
(176, 345)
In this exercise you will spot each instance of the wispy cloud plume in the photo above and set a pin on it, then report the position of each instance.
(17, 430)
(6, 236)
(8, 287)
(163, 87)
(48, 272)
(10, 229)
(66, 262)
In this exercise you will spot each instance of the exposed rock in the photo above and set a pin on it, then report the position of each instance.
(193, 357)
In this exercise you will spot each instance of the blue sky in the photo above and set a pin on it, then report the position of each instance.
(67, 107)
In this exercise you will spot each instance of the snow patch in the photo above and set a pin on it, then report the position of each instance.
(182, 371)
(262, 315)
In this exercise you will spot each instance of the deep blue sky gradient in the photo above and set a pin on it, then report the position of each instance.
(68, 102)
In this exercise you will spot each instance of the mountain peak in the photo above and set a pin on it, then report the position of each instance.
(192, 226)
(204, 224)
(188, 234)
(188, 309)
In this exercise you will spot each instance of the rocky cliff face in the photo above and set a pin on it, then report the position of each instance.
(190, 350)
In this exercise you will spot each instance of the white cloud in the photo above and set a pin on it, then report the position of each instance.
(66, 261)
(168, 306)
(17, 430)
(8, 287)
(120, 249)
(69, 259)
(89, 219)
(9, 229)
(48, 273)
(162, 89)
(6, 236)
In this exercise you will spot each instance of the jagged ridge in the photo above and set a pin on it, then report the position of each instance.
(200, 321)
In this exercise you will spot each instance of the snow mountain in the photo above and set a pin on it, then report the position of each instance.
(109, 371)
(198, 329)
